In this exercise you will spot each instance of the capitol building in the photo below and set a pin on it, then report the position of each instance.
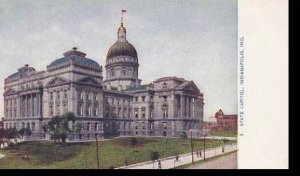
(117, 105)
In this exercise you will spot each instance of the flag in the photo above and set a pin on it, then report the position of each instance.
(123, 11)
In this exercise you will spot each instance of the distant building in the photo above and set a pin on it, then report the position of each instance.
(221, 122)
(226, 122)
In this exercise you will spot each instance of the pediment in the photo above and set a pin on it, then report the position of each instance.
(190, 86)
(88, 81)
(56, 82)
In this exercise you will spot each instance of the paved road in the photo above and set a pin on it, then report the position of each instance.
(223, 162)
(169, 162)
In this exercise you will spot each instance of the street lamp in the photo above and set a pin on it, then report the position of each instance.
(204, 148)
(192, 147)
(97, 150)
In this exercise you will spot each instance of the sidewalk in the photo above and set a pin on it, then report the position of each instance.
(1, 155)
(219, 137)
(170, 162)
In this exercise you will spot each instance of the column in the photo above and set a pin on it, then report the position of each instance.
(172, 105)
(61, 96)
(32, 105)
(84, 104)
(187, 106)
(12, 108)
(190, 106)
(26, 106)
(193, 107)
(93, 94)
(54, 102)
(8, 107)
(18, 106)
(38, 105)
(181, 106)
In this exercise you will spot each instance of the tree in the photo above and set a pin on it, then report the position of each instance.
(11, 133)
(154, 156)
(183, 135)
(58, 126)
(25, 132)
(2, 136)
(133, 141)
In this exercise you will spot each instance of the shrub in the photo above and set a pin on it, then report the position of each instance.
(183, 135)
(134, 142)
(154, 155)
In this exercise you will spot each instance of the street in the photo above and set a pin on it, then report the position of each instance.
(223, 162)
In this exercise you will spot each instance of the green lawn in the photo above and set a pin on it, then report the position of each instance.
(224, 133)
(112, 152)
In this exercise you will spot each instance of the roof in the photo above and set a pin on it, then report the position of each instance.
(121, 48)
(22, 72)
(76, 57)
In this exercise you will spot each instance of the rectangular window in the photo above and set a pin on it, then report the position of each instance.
(165, 125)
(143, 98)
(65, 94)
(124, 72)
(136, 99)
(143, 112)
(136, 113)
(51, 95)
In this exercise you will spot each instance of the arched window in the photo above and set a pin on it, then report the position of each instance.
(112, 72)
(89, 110)
(165, 110)
(80, 109)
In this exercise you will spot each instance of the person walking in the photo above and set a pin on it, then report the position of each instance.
(159, 164)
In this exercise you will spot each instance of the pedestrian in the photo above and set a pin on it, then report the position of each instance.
(177, 158)
(200, 154)
(197, 152)
(159, 164)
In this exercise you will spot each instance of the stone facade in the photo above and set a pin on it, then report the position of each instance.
(117, 106)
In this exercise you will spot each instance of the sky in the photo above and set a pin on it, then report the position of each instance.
(192, 39)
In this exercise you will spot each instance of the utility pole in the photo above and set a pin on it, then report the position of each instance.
(192, 147)
(204, 149)
(97, 150)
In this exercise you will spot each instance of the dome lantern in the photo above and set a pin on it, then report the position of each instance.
(122, 32)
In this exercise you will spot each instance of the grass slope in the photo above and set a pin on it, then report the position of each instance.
(112, 152)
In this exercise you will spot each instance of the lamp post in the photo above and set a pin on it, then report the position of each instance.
(97, 150)
(204, 148)
(192, 147)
